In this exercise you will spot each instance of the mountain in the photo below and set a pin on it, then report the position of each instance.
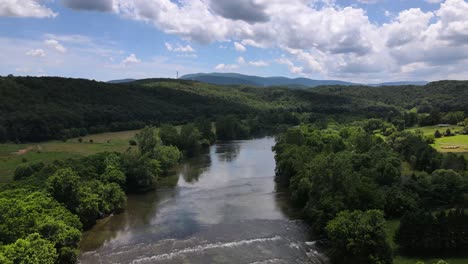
(240, 79)
(417, 83)
(122, 81)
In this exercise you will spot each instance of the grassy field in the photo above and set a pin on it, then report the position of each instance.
(455, 144)
(11, 155)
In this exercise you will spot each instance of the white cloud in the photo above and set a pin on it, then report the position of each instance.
(36, 53)
(179, 48)
(241, 60)
(25, 8)
(131, 59)
(369, 1)
(259, 63)
(434, 1)
(239, 47)
(226, 67)
(55, 45)
(292, 68)
(318, 37)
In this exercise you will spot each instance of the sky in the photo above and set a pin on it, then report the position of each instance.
(361, 41)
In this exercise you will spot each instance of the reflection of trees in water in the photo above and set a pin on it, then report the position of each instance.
(140, 211)
(193, 168)
(284, 203)
(228, 152)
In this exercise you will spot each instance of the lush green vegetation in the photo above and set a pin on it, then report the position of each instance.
(12, 155)
(341, 176)
(48, 204)
(371, 165)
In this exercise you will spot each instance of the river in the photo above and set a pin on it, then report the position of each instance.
(224, 209)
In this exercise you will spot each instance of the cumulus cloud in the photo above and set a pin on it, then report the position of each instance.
(316, 36)
(239, 47)
(226, 67)
(241, 60)
(292, 67)
(55, 45)
(131, 59)
(36, 53)
(92, 5)
(25, 8)
(179, 48)
(251, 11)
(259, 63)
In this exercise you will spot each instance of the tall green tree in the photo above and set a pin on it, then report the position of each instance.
(359, 237)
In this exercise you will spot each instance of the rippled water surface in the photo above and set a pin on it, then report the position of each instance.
(224, 209)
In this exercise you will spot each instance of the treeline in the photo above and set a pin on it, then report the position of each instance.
(442, 96)
(40, 108)
(348, 180)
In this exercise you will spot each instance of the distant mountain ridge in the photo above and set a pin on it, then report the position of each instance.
(122, 81)
(298, 83)
(241, 79)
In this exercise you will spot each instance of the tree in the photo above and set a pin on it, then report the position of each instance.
(63, 186)
(169, 135)
(168, 156)
(206, 130)
(437, 134)
(147, 140)
(448, 132)
(230, 127)
(141, 170)
(31, 250)
(190, 138)
(448, 188)
(359, 237)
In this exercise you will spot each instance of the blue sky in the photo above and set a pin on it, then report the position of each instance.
(364, 40)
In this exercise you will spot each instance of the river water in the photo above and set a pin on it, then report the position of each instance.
(224, 209)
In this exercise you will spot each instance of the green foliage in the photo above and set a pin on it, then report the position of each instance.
(168, 156)
(206, 130)
(24, 213)
(141, 170)
(147, 140)
(190, 138)
(425, 233)
(26, 170)
(169, 135)
(31, 250)
(230, 127)
(359, 237)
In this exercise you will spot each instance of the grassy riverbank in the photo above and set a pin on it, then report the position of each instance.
(12, 155)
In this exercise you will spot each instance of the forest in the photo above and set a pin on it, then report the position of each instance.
(339, 153)
(42, 108)
(348, 182)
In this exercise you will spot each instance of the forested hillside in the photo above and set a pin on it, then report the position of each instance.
(442, 95)
(34, 109)
(40, 108)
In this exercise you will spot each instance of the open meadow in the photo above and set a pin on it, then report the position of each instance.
(455, 144)
(12, 155)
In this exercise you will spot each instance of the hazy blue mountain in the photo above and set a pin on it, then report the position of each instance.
(418, 83)
(122, 81)
(240, 79)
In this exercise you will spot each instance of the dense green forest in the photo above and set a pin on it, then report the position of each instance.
(347, 178)
(40, 108)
